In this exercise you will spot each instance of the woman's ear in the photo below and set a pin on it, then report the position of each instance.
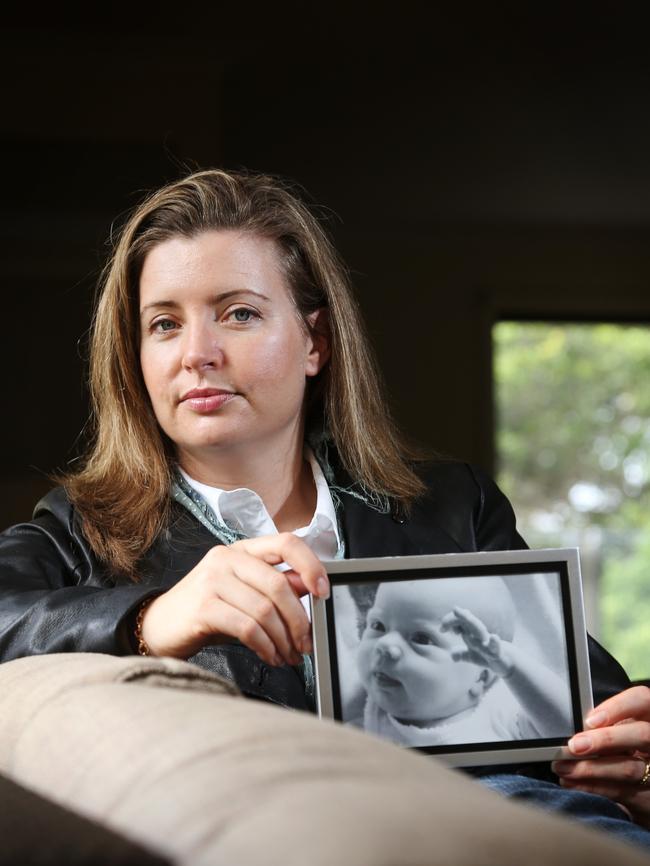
(318, 347)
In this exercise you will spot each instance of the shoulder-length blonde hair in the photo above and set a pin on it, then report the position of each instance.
(122, 492)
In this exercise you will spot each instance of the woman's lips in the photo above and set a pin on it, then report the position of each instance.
(206, 400)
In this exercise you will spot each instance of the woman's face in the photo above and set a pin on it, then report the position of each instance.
(223, 351)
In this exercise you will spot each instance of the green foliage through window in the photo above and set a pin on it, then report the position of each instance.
(573, 451)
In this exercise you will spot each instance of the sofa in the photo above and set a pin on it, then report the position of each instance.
(107, 760)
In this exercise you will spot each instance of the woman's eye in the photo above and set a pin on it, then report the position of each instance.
(164, 326)
(422, 638)
(242, 315)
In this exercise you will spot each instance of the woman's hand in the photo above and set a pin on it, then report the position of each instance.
(235, 593)
(613, 752)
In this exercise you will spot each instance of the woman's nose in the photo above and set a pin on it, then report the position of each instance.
(201, 348)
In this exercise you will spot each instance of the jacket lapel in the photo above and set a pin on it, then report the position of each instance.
(369, 533)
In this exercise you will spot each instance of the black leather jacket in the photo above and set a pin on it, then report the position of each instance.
(55, 596)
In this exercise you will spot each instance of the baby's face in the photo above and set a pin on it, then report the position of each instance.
(404, 658)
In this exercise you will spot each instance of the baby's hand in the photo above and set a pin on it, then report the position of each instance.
(482, 647)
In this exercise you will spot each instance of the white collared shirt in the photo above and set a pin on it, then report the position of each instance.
(244, 510)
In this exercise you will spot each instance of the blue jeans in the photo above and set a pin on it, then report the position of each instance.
(591, 809)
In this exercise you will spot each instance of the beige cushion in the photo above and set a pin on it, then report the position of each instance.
(36, 832)
(211, 778)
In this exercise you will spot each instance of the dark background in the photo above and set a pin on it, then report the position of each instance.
(473, 165)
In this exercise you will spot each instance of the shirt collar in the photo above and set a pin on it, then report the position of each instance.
(244, 510)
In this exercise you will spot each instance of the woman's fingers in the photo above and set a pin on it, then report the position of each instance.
(237, 592)
(613, 771)
(295, 582)
(276, 595)
(617, 779)
(260, 591)
(633, 799)
(619, 739)
(609, 763)
(259, 612)
(286, 547)
(228, 620)
(633, 703)
(612, 790)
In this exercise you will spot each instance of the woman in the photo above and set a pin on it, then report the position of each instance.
(240, 438)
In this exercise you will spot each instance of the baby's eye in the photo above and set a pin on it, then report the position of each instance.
(423, 638)
(376, 625)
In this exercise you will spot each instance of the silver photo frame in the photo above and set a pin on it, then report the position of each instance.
(476, 658)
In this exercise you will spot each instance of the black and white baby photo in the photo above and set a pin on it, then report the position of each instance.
(441, 661)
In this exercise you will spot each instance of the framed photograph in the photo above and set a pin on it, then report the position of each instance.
(477, 658)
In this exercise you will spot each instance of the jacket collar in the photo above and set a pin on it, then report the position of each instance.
(370, 533)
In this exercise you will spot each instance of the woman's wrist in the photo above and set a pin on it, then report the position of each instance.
(141, 644)
(155, 634)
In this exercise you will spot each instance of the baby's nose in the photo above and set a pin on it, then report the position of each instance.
(390, 651)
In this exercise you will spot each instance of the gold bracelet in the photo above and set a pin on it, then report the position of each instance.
(143, 649)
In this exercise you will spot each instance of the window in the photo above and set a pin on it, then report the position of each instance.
(573, 454)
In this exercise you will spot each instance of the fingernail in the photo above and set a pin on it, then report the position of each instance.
(580, 743)
(305, 644)
(323, 588)
(278, 661)
(293, 658)
(560, 767)
(595, 720)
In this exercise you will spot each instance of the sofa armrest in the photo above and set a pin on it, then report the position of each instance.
(170, 757)
(34, 830)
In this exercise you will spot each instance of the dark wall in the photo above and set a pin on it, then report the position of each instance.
(470, 167)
